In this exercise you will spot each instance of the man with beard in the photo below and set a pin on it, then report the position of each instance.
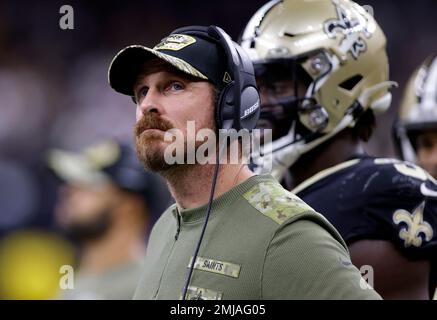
(231, 234)
(107, 203)
(322, 68)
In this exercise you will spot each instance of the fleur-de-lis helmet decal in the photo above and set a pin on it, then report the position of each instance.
(350, 28)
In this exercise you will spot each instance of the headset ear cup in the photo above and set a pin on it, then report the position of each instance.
(250, 108)
(225, 107)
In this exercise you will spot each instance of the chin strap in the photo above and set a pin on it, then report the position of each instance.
(276, 157)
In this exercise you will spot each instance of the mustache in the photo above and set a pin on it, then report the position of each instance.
(151, 121)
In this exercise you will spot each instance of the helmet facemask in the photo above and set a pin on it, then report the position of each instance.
(287, 100)
(289, 107)
(339, 56)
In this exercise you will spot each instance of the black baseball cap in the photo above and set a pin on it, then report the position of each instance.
(110, 161)
(193, 52)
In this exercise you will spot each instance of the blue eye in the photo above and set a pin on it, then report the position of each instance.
(140, 94)
(176, 86)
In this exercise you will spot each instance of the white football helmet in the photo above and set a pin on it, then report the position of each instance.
(321, 64)
(418, 110)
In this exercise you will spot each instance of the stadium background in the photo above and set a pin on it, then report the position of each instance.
(54, 93)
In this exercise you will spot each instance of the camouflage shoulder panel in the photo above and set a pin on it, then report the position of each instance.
(273, 201)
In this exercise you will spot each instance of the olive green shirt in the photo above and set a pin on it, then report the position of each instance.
(261, 242)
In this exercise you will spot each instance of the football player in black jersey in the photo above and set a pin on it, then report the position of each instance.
(416, 130)
(322, 69)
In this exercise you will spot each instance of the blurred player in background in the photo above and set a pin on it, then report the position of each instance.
(106, 204)
(322, 69)
(30, 263)
(416, 132)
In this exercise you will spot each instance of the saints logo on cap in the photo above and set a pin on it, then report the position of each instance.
(175, 42)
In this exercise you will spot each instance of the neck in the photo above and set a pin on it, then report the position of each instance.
(122, 244)
(339, 149)
(190, 185)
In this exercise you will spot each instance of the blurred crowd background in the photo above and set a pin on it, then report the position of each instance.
(54, 93)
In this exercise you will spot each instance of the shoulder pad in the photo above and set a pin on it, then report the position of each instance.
(273, 201)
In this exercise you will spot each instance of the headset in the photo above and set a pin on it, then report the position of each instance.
(238, 105)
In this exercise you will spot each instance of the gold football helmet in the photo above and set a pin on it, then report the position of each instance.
(333, 54)
(418, 109)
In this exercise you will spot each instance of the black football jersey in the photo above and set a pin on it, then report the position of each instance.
(381, 199)
(376, 198)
